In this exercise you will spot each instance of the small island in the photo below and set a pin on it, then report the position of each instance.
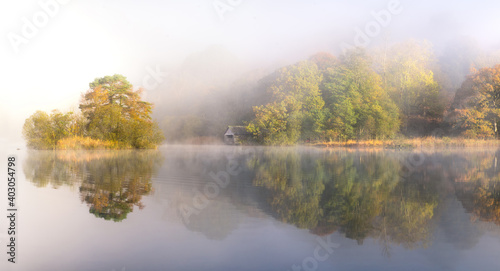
(111, 116)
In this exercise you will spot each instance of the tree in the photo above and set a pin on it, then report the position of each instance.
(144, 134)
(60, 125)
(43, 131)
(342, 120)
(408, 78)
(478, 102)
(110, 111)
(270, 124)
(359, 106)
(77, 124)
(473, 124)
(114, 111)
(296, 108)
(324, 61)
(115, 90)
(37, 131)
(460, 57)
(107, 123)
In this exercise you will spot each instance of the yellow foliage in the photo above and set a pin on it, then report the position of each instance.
(87, 143)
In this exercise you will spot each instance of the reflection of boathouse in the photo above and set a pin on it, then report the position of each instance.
(236, 135)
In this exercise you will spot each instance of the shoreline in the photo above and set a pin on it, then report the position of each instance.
(87, 143)
(410, 143)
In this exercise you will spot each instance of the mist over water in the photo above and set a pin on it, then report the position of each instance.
(379, 209)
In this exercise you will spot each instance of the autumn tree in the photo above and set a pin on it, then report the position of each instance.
(37, 132)
(406, 71)
(60, 125)
(114, 111)
(270, 124)
(116, 90)
(460, 57)
(110, 111)
(296, 108)
(43, 131)
(478, 103)
(324, 61)
(358, 105)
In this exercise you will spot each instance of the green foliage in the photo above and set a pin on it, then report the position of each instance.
(406, 70)
(342, 100)
(323, 98)
(115, 112)
(270, 124)
(37, 131)
(43, 131)
(405, 89)
(111, 111)
(296, 110)
(144, 134)
(359, 107)
(342, 120)
(107, 123)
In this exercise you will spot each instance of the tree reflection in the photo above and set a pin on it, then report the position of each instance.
(295, 185)
(361, 195)
(111, 183)
(478, 188)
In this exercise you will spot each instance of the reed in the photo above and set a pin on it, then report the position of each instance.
(411, 143)
(87, 143)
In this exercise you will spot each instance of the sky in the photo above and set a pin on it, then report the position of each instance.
(50, 50)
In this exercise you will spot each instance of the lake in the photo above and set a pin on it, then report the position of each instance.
(258, 208)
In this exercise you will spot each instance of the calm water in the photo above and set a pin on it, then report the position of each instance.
(244, 208)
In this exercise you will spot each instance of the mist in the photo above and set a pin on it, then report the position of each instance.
(199, 60)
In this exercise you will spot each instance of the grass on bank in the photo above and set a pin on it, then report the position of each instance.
(87, 143)
(411, 143)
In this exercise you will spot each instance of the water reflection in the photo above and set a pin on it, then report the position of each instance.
(182, 182)
(111, 183)
(358, 194)
(478, 188)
